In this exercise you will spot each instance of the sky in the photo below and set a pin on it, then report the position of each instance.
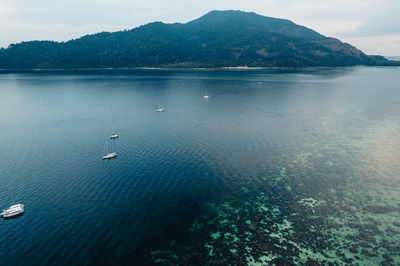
(371, 25)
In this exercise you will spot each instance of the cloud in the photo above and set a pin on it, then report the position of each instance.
(373, 44)
(331, 27)
(55, 32)
(4, 9)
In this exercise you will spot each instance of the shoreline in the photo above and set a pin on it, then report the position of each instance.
(240, 68)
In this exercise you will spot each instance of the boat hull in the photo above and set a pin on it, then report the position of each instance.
(110, 156)
(12, 215)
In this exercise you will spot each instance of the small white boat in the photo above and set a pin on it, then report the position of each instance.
(13, 211)
(108, 155)
(205, 95)
(160, 109)
(113, 135)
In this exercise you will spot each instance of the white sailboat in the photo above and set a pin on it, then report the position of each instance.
(13, 211)
(205, 95)
(108, 155)
(160, 109)
(113, 135)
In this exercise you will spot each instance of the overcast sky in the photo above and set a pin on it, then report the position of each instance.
(371, 25)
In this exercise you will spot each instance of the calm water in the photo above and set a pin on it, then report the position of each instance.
(295, 167)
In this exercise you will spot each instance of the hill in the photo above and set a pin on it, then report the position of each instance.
(217, 39)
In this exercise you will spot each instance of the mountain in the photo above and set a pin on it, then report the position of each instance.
(217, 39)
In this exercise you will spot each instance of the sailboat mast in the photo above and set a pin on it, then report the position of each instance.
(105, 151)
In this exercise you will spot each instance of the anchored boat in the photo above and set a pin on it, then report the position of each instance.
(13, 211)
(205, 95)
(160, 109)
(113, 134)
(108, 155)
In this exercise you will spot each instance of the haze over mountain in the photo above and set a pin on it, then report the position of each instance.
(217, 39)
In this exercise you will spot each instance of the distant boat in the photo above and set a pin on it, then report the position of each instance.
(160, 109)
(205, 95)
(13, 211)
(113, 135)
(108, 155)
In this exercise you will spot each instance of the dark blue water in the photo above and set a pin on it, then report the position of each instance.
(277, 166)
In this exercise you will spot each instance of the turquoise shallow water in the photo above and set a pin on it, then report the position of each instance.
(294, 167)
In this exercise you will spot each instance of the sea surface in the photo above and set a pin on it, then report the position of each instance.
(276, 167)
